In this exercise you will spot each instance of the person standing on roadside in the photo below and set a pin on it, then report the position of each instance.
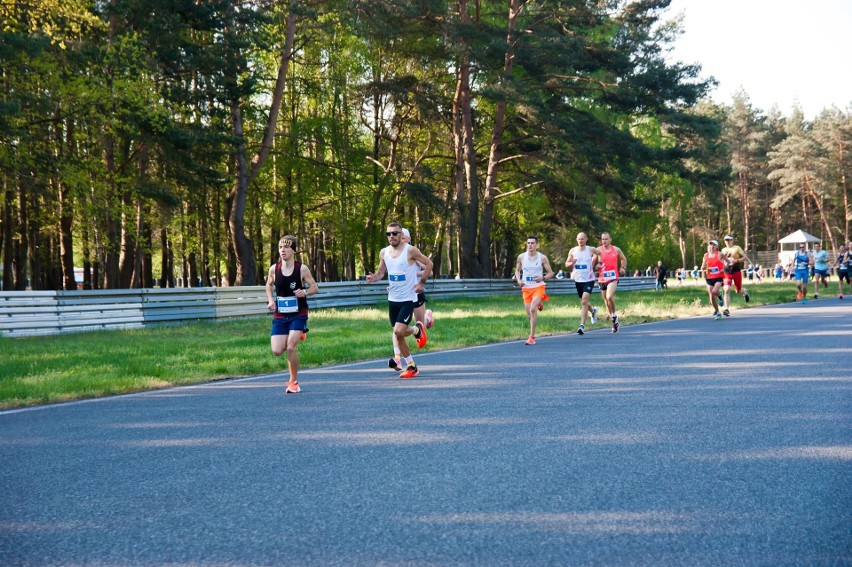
(801, 265)
(820, 268)
(532, 270)
(660, 272)
(844, 256)
(713, 268)
(733, 256)
(613, 264)
(402, 263)
(288, 284)
(582, 259)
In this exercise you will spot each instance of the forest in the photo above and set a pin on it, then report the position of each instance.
(173, 142)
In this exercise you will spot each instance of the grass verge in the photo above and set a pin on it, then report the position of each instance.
(40, 370)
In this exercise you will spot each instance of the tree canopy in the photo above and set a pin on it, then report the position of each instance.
(170, 142)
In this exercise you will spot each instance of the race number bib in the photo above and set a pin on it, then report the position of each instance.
(288, 304)
(396, 278)
(529, 279)
(609, 275)
(581, 267)
(713, 271)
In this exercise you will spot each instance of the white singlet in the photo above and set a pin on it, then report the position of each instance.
(402, 275)
(583, 266)
(530, 269)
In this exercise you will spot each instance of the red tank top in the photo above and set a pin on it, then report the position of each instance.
(609, 264)
(714, 264)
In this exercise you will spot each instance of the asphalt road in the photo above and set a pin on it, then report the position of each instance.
(688, 442)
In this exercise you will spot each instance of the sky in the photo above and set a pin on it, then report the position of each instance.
(780, 52)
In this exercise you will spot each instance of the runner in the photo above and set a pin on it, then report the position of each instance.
(288, 283)
(420, 314)
(400, 261)
(844, 256)
(610, 257)
(713, 268)
(532, 270)
(820, 268)
(802, 262)
(582, 259)
(733, 256)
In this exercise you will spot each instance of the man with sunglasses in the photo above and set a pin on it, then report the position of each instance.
(402, 263)
(733, 256)
(802, 263)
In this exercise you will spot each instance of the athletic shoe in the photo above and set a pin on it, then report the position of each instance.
(594, 315)
(541, 307)
(430, 319)
(745, 296)
(717, 316)
(409, 372)
(840, 295)
(816, 296)
(615, 325)
(726, 313)
(530, 341)
(292, 388)
(303, 336)
(799, 296)
(393, 364)
(581, 330)
(421, 337)
(804, 300)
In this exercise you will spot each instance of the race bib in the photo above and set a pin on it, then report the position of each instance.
(288, 304)
(396, 277)
(609, 275)
(529, 279)
(581, 266)
(713, 271)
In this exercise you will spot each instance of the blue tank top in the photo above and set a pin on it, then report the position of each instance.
(802, 261)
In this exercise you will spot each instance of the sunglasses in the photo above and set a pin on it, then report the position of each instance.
(392, 233)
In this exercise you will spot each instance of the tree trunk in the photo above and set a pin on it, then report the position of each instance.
(243, 248)
(490, 190)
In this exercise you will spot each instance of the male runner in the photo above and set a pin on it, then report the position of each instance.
(288, 283)
(820, 268)
(420, 314)
(802, 263)
(733, 256)
(582, 259)
(531, 271)
(713, 267)
(611, 256)
(400, 261)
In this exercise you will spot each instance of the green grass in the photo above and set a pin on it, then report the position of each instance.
(41, 370)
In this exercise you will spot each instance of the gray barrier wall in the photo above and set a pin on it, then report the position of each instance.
(29, 313)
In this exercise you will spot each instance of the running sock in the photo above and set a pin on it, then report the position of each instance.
(409, 361)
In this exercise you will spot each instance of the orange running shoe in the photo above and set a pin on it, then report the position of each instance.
(304, 336)
(799, 296)
(409, 372)
(292, 388)
(421, 337)
(530, 341)
(430, 319)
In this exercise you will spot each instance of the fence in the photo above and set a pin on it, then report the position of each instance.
(30, 313)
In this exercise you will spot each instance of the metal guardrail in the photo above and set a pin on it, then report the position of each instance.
(33, 313)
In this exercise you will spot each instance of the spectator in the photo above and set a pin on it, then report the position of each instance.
(660, 272)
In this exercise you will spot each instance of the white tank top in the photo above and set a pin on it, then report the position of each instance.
(583, 266)
(401, 275)
(531, 268)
